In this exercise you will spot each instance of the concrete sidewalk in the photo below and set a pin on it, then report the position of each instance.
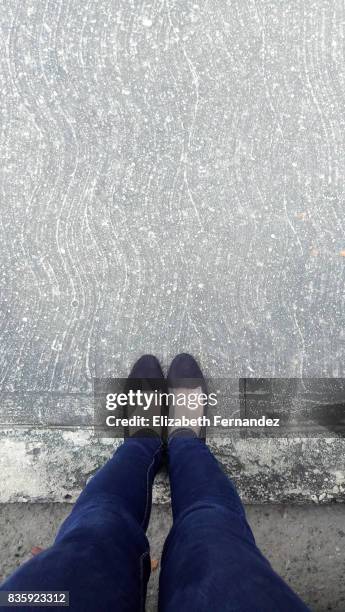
(305, 544)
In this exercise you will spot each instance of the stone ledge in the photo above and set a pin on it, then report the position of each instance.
(53, 466)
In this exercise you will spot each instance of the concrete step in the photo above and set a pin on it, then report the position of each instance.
(53, 466)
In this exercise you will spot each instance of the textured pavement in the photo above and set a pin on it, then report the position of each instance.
(172, 178)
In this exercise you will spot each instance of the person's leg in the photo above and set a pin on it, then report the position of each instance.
(210, 560)
(101, 553)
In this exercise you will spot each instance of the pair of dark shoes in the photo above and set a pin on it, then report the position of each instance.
(177, 396)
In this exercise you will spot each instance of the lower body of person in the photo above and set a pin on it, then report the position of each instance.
(210, 561)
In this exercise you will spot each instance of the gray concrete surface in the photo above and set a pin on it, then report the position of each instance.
(172, 178)
(305, 545)
(55, 466)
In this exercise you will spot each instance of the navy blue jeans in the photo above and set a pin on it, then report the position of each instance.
(210, 561)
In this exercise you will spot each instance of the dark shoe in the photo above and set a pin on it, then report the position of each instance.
(147, 366)
(147, 377)
(186, 380)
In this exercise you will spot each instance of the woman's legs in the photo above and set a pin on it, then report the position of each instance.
(210, 560)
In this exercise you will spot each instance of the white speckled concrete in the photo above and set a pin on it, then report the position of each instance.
(171, 178)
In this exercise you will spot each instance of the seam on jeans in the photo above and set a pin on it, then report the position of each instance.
(147, 483)
(141, 561)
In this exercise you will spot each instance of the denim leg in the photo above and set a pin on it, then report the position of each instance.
(101, 553)
(210, 560)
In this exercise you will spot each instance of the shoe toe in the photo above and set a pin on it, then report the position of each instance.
(147, 366)
(184, 366)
